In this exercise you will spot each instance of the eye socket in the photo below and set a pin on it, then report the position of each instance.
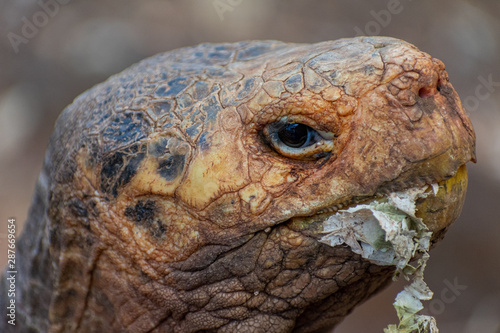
(297, 140)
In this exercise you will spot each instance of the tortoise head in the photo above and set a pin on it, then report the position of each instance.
(201, 179)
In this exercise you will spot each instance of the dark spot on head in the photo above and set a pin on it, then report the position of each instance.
(172, 167)
(143, 214)
(112, 165)
(158, 148)
(77, 208)
(119, 168)
(129, 171)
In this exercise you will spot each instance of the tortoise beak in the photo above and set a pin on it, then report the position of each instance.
(439, 210)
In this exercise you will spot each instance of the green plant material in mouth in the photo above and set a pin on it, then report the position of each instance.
(386, 231)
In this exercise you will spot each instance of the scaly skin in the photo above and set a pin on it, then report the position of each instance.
(163, 205)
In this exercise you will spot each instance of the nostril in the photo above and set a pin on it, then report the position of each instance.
(427, 92)
(439, 86)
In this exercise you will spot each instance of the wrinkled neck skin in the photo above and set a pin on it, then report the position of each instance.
(163, 208)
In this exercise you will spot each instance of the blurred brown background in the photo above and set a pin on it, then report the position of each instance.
(52, 50)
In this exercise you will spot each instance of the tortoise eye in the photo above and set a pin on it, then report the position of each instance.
(296, 135)
(297, 140)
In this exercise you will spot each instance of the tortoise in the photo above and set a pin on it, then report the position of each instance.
(189, 192)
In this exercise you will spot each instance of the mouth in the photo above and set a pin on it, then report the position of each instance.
(438, 210)
(375, 226)
(398, 229)
(391, 229)
(394, 229)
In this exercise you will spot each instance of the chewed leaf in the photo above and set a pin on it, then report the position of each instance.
(387, 232)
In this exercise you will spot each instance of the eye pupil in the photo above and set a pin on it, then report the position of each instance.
(294, 135)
